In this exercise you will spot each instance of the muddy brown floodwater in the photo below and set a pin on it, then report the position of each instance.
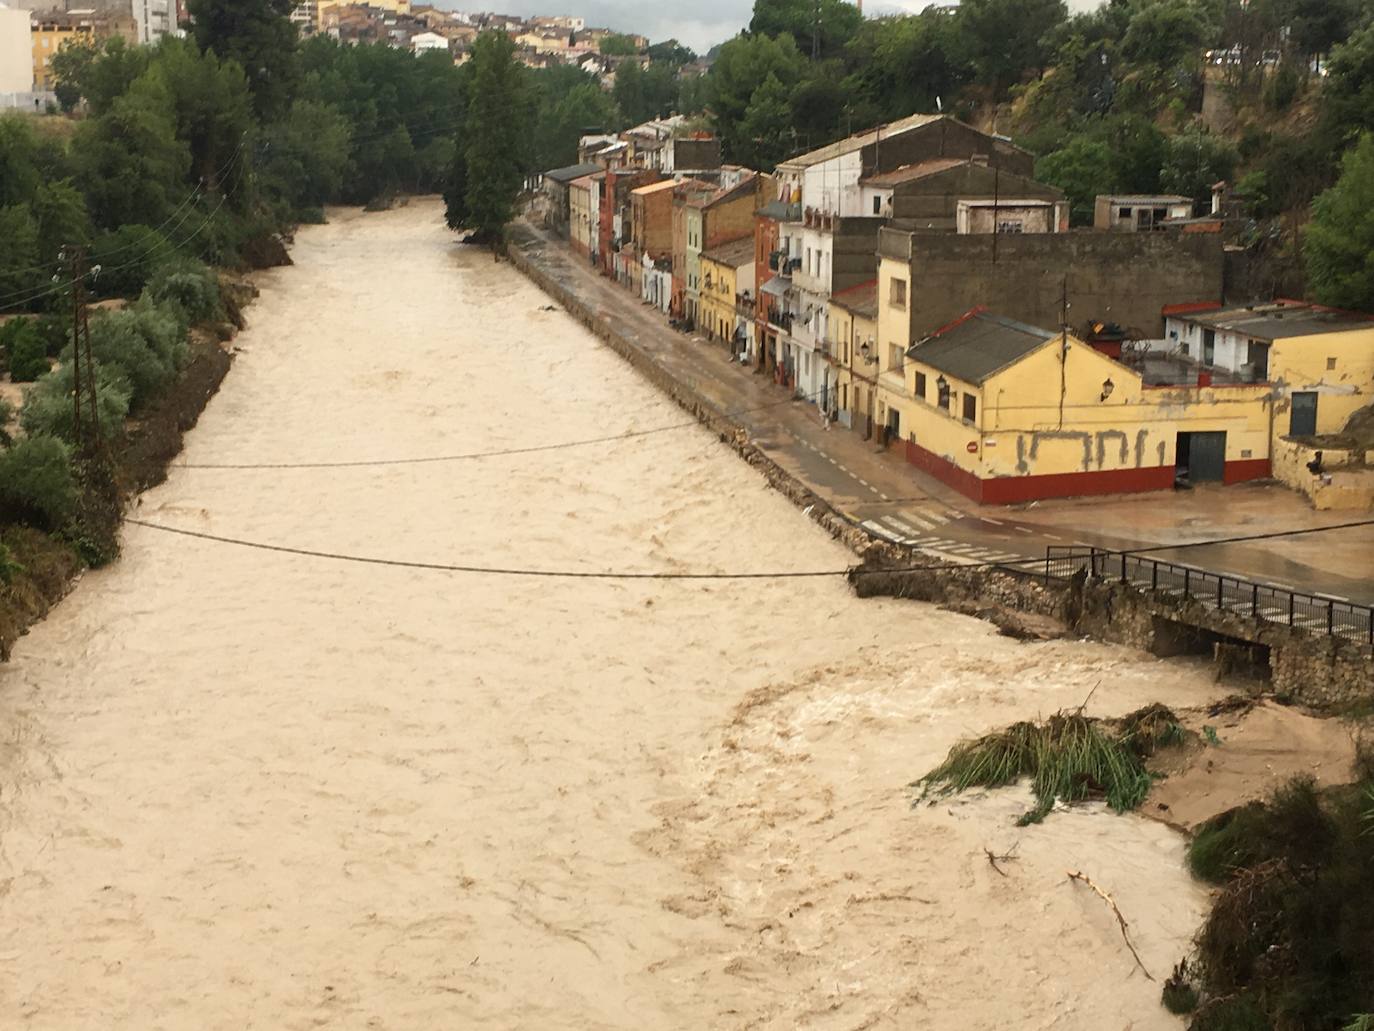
(243, 789)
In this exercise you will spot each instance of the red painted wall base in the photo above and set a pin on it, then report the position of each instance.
(1009, 490)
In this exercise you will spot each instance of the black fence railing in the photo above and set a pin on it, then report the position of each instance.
(1311, 612)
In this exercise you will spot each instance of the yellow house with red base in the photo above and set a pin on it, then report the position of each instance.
(1005, 412)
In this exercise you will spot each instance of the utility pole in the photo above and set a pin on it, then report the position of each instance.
(85, 399)
(816, 34)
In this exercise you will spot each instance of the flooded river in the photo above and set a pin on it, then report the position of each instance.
(247, 789)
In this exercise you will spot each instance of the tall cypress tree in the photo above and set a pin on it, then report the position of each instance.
(497, 135)
(258, 34)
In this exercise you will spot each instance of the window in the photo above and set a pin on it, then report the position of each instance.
(920, 386)
(1330, 364)
(970, 408)
(1123, 212)
(895, 358)
(844, 396)
(1209, 346)
(897, 294)
(877, 205)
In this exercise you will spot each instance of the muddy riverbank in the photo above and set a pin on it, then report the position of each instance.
(249, 788)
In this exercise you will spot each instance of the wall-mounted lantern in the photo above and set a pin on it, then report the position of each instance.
(1107, 387)
(942, 387)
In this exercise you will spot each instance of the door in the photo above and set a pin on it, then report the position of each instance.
(1206, 457)
(1302, 417)
(1209, 346)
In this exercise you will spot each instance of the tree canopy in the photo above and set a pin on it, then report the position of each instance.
(1340, 238)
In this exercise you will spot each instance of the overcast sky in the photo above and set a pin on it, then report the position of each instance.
(698, 23)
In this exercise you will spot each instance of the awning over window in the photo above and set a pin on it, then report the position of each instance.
(775, 287)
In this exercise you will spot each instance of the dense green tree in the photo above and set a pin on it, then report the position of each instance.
(59, 209)
(20, 175)
(1339, 246)
(907, 64)
(670, 52)
(99, 73)
(616, 45)
(742, 66)
(1166, 34)
(821, 28)
(129, 162)
(693, 94)
(1082, 169)
(305, 157)
(257, 34)
(819, 107)
(20, 273)
(1315, 26)
(765, 133)
(629, 92)
(1009, 38)
(1348, 94)
(583, 108)
(210, 107)
(1196, 160)
(496, 133)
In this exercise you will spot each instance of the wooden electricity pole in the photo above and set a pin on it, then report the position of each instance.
(85, 398)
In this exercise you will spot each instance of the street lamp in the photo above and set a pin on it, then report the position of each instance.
(1107, 387)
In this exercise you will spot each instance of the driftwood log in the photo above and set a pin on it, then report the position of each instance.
(1075, 875)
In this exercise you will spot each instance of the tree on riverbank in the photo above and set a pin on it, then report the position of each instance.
(492, 144)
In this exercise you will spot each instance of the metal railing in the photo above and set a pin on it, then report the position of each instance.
(1313, 613)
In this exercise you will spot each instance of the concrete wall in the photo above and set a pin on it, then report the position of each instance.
(16, 57)
(1346, 482)
(932, 201)
(1125, 278)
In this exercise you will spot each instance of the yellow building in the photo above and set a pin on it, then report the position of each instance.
(48, 36)
(584, 213)
(1320, 361)
(852, 349)
(727, 285)
(1005, 412)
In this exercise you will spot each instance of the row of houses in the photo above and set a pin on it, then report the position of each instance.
(919, 287)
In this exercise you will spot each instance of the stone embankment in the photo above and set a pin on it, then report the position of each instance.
(1324, 673)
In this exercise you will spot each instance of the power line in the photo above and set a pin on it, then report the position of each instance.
(558, 574)
(159, 243)
(473, 455)
(572, 574)
(1246, 538)
(188, 199)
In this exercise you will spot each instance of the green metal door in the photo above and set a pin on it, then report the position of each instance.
(1207, 457)
(1302, 417)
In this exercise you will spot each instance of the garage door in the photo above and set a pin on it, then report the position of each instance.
(1207, 457)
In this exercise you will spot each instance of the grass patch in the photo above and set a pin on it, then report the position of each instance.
(1069, 757)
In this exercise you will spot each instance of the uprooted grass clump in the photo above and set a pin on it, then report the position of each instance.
(1069, 757)
(1288, 942)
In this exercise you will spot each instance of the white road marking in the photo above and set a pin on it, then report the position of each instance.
(994, 522)
(1022, 529)
(1054, 537)
(893, 521)
(924, 524)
